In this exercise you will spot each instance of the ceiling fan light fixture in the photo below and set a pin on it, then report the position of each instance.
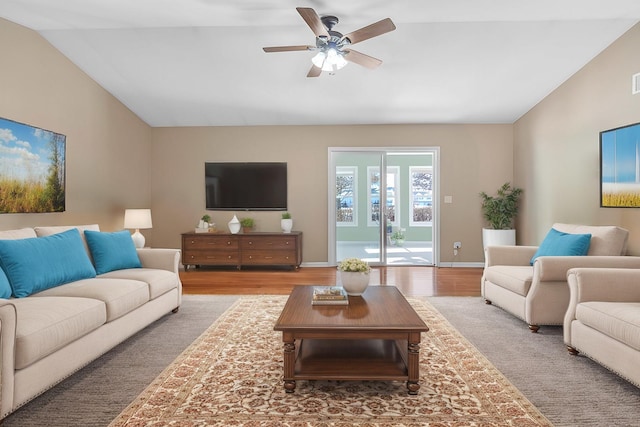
(330, 60)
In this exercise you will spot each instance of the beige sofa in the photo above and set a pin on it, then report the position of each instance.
(48, 335)
(603, 318)
(538, 293)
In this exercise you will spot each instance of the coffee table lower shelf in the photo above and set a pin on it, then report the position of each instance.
(335, 359)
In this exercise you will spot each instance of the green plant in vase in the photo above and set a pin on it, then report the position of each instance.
(247, 224)
(398, 237)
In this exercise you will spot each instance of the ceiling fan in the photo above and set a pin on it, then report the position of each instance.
(333, 48)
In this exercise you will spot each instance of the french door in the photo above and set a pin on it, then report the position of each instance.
(382, 205)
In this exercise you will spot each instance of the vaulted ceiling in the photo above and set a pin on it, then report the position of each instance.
(201, 63)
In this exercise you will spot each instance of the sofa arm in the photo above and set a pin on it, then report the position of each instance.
(604, 284)
(8, 320)
(509, 255)
(160, 258)
(554, 268)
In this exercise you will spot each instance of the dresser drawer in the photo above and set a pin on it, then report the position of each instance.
(269, 257)
(210, 258)
(267, 243)
(209, 242)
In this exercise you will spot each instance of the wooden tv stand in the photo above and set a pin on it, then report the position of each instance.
(250, 249)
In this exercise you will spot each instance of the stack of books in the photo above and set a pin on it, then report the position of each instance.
(329, 295)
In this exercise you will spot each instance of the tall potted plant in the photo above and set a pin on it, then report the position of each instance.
(500, 211)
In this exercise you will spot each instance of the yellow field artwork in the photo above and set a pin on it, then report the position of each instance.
(620, 167)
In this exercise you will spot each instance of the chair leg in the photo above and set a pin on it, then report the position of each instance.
(572, 351)
(534, 328)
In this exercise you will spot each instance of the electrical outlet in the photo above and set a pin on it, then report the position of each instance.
(457, 245)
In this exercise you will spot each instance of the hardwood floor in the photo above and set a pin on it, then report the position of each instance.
(412, 281)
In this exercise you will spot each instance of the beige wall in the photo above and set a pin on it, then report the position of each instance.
(108, 147)
(115, 161)
(473, 158)
(556, 152)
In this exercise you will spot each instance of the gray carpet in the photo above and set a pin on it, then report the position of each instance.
(570, 391)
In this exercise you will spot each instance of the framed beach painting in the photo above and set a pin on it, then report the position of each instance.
(32, 169)
(620, 167)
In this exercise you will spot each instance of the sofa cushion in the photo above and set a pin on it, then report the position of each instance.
(557, 243)
(120, 296)
(5, 286)
(160, 281)
(44, 325)
(512, 277)
(606, 240)
(112, 251)
(22, 233)
(618, 320)
(48, 231)
(35, 264)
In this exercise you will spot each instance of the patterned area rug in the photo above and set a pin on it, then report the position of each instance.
(232, 376)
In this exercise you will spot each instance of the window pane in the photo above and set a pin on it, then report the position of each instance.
(346, 195)
(421, 195)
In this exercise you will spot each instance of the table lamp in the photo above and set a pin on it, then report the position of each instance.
(137, 218)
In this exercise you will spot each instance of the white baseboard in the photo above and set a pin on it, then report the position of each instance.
(462, 264)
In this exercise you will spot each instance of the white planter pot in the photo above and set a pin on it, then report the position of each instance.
(354, 283)
(491, 237)
(286, 225)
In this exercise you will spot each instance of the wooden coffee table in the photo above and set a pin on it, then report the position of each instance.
(375, 337)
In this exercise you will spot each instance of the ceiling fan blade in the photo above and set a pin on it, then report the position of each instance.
(361, 59)
(373, 30)
(287, 48)
(313, 21)
(314, 71)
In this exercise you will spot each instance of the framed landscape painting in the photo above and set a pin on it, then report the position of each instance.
(620, 167)
(32, 169)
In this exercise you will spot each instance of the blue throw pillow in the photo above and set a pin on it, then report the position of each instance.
(35, 264)
(557, 243)
(5, 286)
(112, 251)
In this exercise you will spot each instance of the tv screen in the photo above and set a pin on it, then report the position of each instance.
(246, 186)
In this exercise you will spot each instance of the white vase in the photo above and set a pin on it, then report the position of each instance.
(354, 283)
(234, 225)
(286, 225)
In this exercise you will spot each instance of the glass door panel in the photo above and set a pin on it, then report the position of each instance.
(386, 219)
(357, 214)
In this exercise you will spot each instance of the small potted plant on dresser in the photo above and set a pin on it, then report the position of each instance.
(247, 224)
(286, 223)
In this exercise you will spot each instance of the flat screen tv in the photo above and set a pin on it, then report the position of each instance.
(246, 186)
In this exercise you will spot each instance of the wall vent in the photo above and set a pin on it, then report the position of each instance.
(635, 84)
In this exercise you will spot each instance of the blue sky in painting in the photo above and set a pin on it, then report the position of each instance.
(619, 155)
(24, 151)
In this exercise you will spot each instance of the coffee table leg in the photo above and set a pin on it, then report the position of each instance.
(413, 367)
(289, 362)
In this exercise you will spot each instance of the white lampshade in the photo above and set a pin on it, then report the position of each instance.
(137, 218)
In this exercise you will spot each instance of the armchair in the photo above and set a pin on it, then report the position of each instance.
(538, 293)
(603, 318)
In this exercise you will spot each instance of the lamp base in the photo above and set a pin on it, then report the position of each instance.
(138, 239)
